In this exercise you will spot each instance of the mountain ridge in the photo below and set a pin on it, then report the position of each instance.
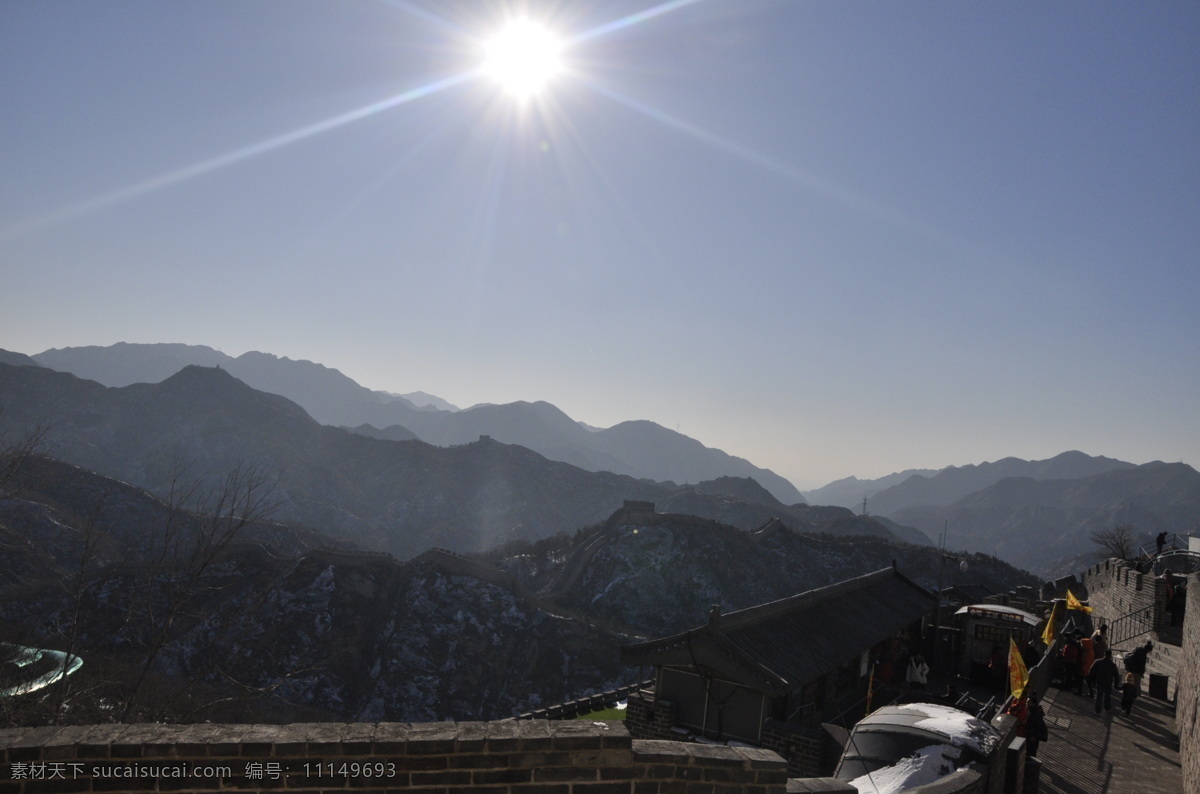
(394, 495)
(955, 482)
(1033, 523)
(940, 487)
(333, 398)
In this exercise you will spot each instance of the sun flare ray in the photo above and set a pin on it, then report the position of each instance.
(633, 19)
(844, 196)
(229, 158)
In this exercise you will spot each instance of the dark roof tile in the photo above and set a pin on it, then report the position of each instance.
(782, 645)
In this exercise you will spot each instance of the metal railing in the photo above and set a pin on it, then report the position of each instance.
(1175, 555)
(1180, 561)
(1131, 626)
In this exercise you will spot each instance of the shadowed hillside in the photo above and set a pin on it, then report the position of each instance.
(270, 624)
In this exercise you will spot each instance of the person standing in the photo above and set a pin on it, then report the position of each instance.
(1036, 731)
(1104, 677)
(1161, 541)
(1135, 662)
(1177, 606)
(1087, 658)
(1069, 662)
(1129, 693)
(1100, 641)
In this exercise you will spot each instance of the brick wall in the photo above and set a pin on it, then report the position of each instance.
(804, 747)
(1187, 714)
(650, 718)
(511, 757)
(1116, 591)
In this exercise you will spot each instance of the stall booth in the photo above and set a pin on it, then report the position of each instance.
(986, 630)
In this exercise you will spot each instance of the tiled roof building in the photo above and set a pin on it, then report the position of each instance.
(781, 667)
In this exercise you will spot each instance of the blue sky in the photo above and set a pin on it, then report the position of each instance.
(831, 237)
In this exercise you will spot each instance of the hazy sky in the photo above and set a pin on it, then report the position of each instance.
(833, 237)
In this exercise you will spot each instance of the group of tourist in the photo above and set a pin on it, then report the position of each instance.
(1087, 663)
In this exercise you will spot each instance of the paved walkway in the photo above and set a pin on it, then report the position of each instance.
(1111, 753)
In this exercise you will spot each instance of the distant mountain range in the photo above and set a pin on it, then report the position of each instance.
(639, 449)
(928, 487)
(400, 496)
(851, 491)
(1034, 523)
(1039, 514)
(381, 487)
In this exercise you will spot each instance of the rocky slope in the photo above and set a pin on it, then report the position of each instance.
(269, 624)
(654, 574)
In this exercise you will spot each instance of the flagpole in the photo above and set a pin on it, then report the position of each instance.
(870, 688)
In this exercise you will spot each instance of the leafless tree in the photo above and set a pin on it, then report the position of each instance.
(15, 449)
(199, 529)
(160, 587)
(1118, 541)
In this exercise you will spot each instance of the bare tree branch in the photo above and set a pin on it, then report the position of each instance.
(1118, 542)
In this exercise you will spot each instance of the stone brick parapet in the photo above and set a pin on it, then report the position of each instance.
(804, 746)
(510, 757)
(649, 717)
(1119, 592)
(1187, 716)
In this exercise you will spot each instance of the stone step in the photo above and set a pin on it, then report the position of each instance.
(1163, 660)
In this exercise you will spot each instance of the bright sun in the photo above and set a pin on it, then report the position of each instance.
(522, 58)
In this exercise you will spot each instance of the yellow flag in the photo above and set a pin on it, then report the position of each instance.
(1048, 632)
(1018, 677)
(1076, 604)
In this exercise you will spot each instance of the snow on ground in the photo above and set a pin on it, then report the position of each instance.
(924, 766)
(959, 727)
